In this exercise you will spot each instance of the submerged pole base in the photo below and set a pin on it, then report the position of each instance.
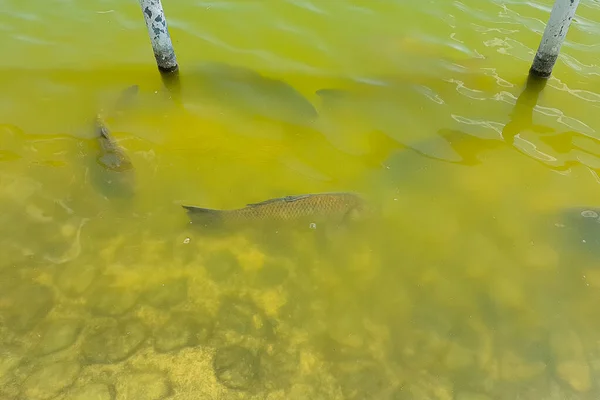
(170, 77)
(171, 81)
(543, 65)
(168, 70)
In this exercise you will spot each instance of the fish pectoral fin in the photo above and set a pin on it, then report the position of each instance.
(203, 216)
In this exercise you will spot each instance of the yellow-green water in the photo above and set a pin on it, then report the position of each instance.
(462, 288)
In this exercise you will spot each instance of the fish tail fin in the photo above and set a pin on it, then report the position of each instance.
(204, 216)
(126, 98)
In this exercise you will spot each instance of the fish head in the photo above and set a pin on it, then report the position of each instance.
(360, 212)
(356, 214)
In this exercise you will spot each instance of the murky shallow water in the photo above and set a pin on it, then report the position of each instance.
(478, 278)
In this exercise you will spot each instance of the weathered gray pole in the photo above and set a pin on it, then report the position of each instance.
(159, 36)
(561, 16)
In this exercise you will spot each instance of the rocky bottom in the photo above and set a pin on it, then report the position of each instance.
(237, 349)
(225, 319)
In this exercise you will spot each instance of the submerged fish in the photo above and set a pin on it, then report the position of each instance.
(113, 173)
(310, 209)
(251, 92)
(112, 156)
(126, 99)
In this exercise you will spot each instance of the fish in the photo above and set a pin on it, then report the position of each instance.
(111, 156)
(114, 173)
(397, 110)
(308, 210)
(126, 99)
(250, 92)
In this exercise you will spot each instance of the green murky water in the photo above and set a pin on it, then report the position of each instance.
(478, 279)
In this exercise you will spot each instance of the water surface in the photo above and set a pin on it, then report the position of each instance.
(477, 280)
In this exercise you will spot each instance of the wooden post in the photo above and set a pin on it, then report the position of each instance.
(159, 36)
(561, 16)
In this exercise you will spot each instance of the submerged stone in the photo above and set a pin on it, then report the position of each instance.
(48, 380)
(92, 391)
(10, 356)
(143, 386)
(24, 306)
(222, 265)
(402, 393)
(111, 301)
(362, 380)
(75, 278)
(472, 396)
(9, 277)
(515, 368)
(58, 335)
(576, 373)
(459, 357)
(243, 318)
(181, 330)
(272, 275)
(168, 294)
(570, 359)
(114, 342)
(426, 387)
(336, 352)
(236, 367)
(279, 365)
(175, 334)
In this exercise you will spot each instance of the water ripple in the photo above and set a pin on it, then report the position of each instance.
(307, 5)
(467, 92)
(224, 5)
(494, 126)
(532, 149)
(582, 94)
(578, 66)
(261, 54)
(486, 29)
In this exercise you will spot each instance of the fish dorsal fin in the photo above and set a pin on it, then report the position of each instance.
(296, 197)
(279, 199)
